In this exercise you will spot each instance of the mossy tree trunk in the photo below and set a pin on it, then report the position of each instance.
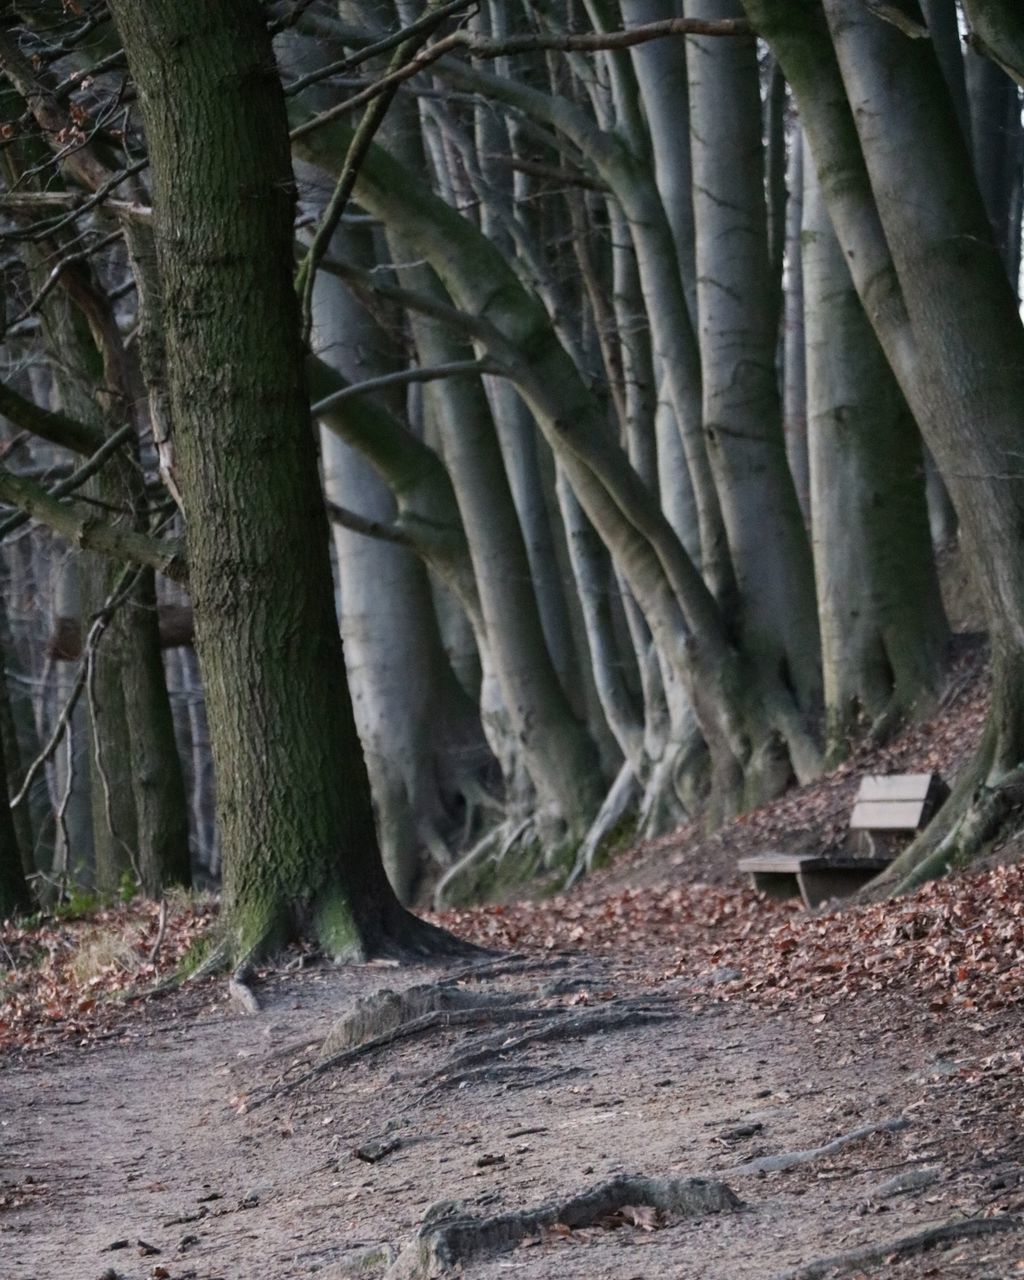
(300, 850)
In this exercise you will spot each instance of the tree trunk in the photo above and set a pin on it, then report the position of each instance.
(738, 337)
(794, 365)
(995, 144)
(882, 625)
(421, 737)
(14, 892)
(970, 346)
(300, 851)
(997, 27)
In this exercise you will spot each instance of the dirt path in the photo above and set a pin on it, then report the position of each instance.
(606, 1074)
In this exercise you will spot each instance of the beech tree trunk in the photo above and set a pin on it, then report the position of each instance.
(882, 625)
(300, 850)
(738, 337)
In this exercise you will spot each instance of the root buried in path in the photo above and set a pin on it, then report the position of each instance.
(842, 1264)
(560, 1027)
(443, 1248)
(793, 1159)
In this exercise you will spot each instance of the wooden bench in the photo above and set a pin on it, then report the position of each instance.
(890, 804)
(886, 806)
(809, 876)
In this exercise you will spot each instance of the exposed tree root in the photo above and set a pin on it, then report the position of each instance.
(510, 1076)
(385, 1011)
(444, 1247)
(975, 812)
(624, 793)
(560, 1026)
(904, 1246)
(494, 847)
(241, 992)
(791, 1159)
(474, 1016)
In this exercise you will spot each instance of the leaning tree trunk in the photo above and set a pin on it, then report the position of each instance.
(970, 343)
(300, 851)
(883, 630)
(421, 737)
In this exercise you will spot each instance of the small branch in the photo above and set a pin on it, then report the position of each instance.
(362, 139)
(431, 373)
(69, 260)
(87, 531)
(98, 196)
(57, 428)
(76, 479)
(370, 528)
(901, 21)
(427, 23)
(18, 202)
(112, 61)
(549, 172)
(122, 589)
(479, 47)
(57, 127)
(461, 321)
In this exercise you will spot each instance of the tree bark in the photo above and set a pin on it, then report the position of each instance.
(882, 624)
(997, 27)
(970, 345)
(300, 851)
(737, 301)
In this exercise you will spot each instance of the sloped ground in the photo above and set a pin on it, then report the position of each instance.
(173, 1134)
(647, 1025)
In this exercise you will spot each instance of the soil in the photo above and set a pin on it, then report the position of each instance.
(169, 1133)
(457, 1132)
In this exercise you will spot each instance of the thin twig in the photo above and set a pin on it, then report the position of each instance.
(122, 588)
(359, 147)
(428, 22)
(478, 47)
(369, 528)
(161, 929)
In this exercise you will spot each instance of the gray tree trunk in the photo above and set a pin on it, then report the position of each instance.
(738, 335)
(882, 625)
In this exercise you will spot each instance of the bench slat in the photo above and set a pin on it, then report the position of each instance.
(887, 815)
(792, 863)
(901, 786)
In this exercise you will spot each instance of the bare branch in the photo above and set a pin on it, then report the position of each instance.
(57, 428)
(362, 139)
(122, 589)
(479, 47)
(431, 373)
(427, 23)
(76, 479)
(371, 528)
(91, 533)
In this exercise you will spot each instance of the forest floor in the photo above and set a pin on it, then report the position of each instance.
(661, 1076)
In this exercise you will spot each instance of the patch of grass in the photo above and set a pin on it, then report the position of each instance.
(197, 954)
(107, 949)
